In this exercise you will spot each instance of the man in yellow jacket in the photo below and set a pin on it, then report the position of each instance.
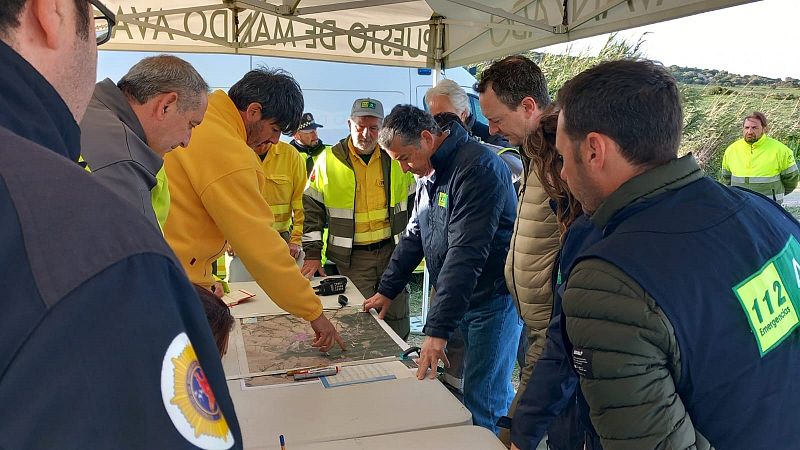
(759, 163)
(216, 187)
(285, 173)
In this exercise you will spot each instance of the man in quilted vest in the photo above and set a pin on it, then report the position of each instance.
(513, 93)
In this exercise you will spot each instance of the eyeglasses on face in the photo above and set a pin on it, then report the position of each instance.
(104, 21)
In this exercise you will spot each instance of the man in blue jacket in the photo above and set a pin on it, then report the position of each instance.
(461, 223)
(114, 352)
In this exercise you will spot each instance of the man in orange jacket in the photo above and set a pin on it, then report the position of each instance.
(216, 185)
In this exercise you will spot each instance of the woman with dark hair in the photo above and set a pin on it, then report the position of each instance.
(219, 317)
(540, 149)
(552, 403)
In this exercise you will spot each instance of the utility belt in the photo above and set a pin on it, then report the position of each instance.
(374, 246)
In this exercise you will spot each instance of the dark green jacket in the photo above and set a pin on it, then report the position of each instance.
(636, 362)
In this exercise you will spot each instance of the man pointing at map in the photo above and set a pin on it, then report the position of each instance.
(462, 223)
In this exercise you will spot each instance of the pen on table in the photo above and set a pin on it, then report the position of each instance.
(306, 370)
(294, 371)
(314, 373)
(303, 369)
(283, 442)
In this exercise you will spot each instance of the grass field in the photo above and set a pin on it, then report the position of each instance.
(713, 118)
(415, 305)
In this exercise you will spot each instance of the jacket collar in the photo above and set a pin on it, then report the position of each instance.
(33, 109)
(443, 155)
(107, 93)
(759, 142)
(272, 153)
(311, 151)
(275, 149)
(342, 150)
(353, 153)
(223, 107)
(666, 177)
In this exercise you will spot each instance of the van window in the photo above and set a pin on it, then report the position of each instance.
(475, 107)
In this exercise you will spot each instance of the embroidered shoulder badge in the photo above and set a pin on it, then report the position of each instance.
(189, 400)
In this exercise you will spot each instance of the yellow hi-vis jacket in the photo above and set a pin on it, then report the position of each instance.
(372, 216)
(331, 198)
(766, 166)
(216, 186)
(285, 172)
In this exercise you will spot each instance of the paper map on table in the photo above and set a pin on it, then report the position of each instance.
(276, 344)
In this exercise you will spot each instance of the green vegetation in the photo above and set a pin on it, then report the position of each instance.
(713, 118)
(692, 75)
(715, 102)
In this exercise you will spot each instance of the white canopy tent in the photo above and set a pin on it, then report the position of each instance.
(414, 33)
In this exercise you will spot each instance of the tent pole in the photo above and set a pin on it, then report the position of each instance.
(436, 76)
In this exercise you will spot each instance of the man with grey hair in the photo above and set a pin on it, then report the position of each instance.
(462, 222)
(131, 125)
(362, 195)
(448, 96)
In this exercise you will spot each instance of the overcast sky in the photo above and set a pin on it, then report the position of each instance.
(761, 38)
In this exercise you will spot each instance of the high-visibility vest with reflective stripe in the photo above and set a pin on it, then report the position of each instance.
(285, 176)
(371, 215)
(334, 185)
(765, 166)
(220, 271)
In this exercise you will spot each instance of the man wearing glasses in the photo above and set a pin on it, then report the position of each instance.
(116, 352)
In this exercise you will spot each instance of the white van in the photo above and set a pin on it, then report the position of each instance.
(329, 88)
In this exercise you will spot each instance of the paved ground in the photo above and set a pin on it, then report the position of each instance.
(792, 199)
